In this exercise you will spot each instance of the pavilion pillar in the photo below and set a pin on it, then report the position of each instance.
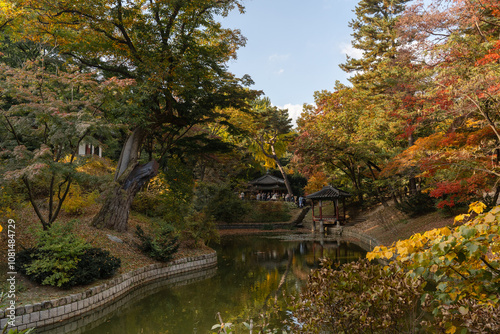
(313, 220)
(337, 209)
(321, 210)
(343, 206)
(321, 225)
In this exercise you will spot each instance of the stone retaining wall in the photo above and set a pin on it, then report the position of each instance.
(363, 240)
(49, 312)
(253, 226)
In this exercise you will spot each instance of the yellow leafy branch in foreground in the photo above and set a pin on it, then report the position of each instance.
(462, 264)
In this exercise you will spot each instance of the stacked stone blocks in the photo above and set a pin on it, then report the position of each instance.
(49, 312)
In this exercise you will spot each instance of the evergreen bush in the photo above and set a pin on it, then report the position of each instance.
(93, 265)
(162, 246)
(62, 259)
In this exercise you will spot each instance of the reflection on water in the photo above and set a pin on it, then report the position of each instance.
(250, 271)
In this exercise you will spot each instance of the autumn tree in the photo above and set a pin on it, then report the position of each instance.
(45, 116)
(266, 131)
(343, 133)
(177, 53)
(456, 45)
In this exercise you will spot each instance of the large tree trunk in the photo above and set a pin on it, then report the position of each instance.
(379, 193)
(129, 179)
(115, 210)
(285, 178)
(412, 182)
(280, 167)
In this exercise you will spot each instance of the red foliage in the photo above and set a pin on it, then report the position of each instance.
(460, 191)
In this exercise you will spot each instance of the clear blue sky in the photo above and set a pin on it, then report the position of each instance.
(293, 47)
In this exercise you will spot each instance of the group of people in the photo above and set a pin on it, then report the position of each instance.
(262, 196)
(271, 197)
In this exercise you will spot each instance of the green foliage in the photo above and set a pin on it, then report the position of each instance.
(161, 246)
(220, 202)
(10, 199)
(95, 264)
(177, 198)
(62, 259)
(358, 297)
(201, 226)
(95, 173)
(149, 203)
(168, 195)
(55, 257)
(298, 183)
(270, 211)
(15, 331)
(417, 204)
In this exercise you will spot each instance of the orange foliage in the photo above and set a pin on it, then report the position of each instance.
(316, 182)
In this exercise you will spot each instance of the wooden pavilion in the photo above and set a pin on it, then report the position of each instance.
(268, 183)
(328, 193)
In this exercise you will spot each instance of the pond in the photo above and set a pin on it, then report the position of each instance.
(249, 272)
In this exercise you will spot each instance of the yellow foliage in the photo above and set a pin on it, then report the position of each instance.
(97, 166)
(75, 202)
(451, 330)
(157, 184)
(461, 261)
(477, 207)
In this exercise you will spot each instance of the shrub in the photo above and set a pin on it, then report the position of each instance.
(95, 264)
(270, 212)
(16, 331)
(201, 226)
(62, 259)
(417, 205)
(77, 201)
(358, 298)
(220, 202)
(9, 200)
(148, 203)
(160, 247)
(461, 268)
(95, 173)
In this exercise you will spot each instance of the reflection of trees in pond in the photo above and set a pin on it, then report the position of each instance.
(339, 252)
(282, 265)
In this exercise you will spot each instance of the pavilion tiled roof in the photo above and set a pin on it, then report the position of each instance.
(328, 192)
(267, 183)
(268, 180)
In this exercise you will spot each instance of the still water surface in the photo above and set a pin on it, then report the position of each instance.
(248, 274)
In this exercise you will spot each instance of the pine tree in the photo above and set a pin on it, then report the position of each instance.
(374, 34)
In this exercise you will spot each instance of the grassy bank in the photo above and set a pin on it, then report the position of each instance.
(131, 257)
